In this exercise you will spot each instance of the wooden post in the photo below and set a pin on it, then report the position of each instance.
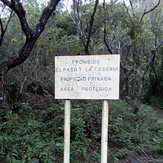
(104, 136)
(67, 132)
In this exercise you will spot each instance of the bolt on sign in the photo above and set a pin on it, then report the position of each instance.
(87, 77)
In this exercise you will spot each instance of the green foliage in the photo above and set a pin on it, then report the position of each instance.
(134, 27)
(23, 140)
(133, 131)
(12, 89)
(65, 24)
(22, 105)
(29, 132)
(39, 134)
(69, 44)
(153, 94)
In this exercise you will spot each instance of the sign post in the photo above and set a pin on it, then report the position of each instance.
(67, 131)
(104, 135)
(87, 77)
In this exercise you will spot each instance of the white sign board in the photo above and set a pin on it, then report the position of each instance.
(87, 77)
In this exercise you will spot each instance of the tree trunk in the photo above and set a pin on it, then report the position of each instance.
(137, 97)
(126, 86)
(31, 37)
(3, 94)
(14, 61)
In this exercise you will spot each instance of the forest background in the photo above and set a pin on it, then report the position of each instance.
(31, 121)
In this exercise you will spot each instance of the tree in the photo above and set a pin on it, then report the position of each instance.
(84, 29)
(31, 36)
(139, 51)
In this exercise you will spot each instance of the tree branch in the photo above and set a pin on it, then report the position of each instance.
(132, 7)
(106, 43)
(78, 22)
(31, 36)
(127, 11)
(3, 30)
(7, 3)
(150, 63)
(45, 16)
(152, 58)
(19, 10)
(150, 10)
(17, 7)
(160, 44)
(105, 32)
(91, 25)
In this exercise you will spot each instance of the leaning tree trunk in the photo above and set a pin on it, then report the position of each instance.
(6, 65)
(14, 61)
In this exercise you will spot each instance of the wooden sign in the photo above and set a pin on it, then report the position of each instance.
(87, 77)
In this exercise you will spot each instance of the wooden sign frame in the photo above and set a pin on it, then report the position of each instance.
(110, 64)
(87, 77)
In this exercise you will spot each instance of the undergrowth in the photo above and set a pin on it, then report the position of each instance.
(28, 134)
